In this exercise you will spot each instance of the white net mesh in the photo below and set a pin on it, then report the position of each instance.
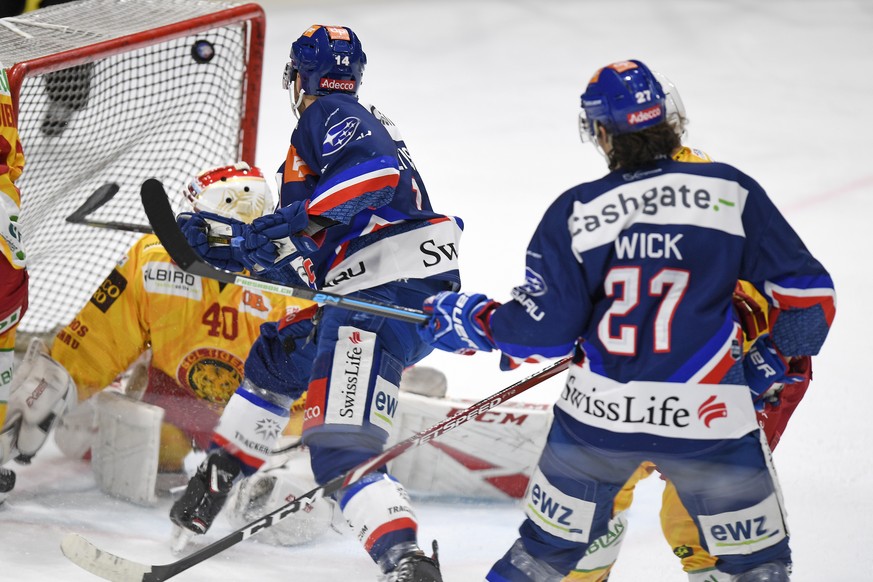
(159, 109)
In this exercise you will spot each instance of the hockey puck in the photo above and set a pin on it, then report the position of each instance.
(202, 51)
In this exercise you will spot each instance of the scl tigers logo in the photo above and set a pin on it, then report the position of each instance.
(212, 374)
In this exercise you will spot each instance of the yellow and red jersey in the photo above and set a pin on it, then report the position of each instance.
(11, 167)
(13, 276)
(199, 332)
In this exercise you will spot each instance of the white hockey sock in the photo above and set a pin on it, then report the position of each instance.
(379, 512)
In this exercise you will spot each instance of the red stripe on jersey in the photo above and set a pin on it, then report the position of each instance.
(724, 365)
(353, 191)
(340, 255)
(387, 528)
(803, 302)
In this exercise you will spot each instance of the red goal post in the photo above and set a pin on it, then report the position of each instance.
(116, 92)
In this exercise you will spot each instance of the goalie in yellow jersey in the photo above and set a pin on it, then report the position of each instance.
(189, 336)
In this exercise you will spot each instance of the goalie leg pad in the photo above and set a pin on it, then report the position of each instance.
(491, 457)
(41, 392)
(378, 510)
(424, 381)
(125, 453)
(77, 430)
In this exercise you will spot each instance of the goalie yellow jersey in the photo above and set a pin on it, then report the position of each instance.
(199, 330)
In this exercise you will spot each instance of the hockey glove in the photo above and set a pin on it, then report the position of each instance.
(206, 492)
(458, 322)
(765, 366)
(273, 241)
(197, 228)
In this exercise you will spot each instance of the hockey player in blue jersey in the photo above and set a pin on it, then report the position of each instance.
(633, 274)
(354, 218)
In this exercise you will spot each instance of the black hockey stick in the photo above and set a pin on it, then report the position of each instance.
(101, 196)
(111, 567)
(160, 214)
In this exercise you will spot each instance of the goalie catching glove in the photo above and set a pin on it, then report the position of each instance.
(458, 322)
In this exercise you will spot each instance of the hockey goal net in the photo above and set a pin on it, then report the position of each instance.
(115, 92)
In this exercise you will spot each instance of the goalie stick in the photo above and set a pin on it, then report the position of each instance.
(160, 214)
(100, 197)
(118, 569)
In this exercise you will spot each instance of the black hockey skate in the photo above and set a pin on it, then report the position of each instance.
(417, 567)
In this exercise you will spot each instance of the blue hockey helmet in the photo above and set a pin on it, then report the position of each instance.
(327, 59)
(623, 97)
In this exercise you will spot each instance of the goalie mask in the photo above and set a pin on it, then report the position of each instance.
(327, 59)
(238, 191)
(623, 97)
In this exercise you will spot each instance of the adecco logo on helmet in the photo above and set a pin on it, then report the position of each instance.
(622, 66)
(337, 33)
(644, 115)
(336, 84)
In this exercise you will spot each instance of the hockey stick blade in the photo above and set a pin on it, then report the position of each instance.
(101, 196)
(112, 567)
(163, 220)
(108, 566)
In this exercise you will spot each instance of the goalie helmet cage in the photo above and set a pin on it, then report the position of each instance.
(116, 92)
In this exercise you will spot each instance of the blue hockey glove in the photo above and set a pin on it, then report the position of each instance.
(765, 366)
(274, 240)
(458, 322)
(197, 228)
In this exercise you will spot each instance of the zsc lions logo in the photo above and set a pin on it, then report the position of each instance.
(534, 285)
(339, 135)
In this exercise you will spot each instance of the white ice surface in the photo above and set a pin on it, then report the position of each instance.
(486, 94)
